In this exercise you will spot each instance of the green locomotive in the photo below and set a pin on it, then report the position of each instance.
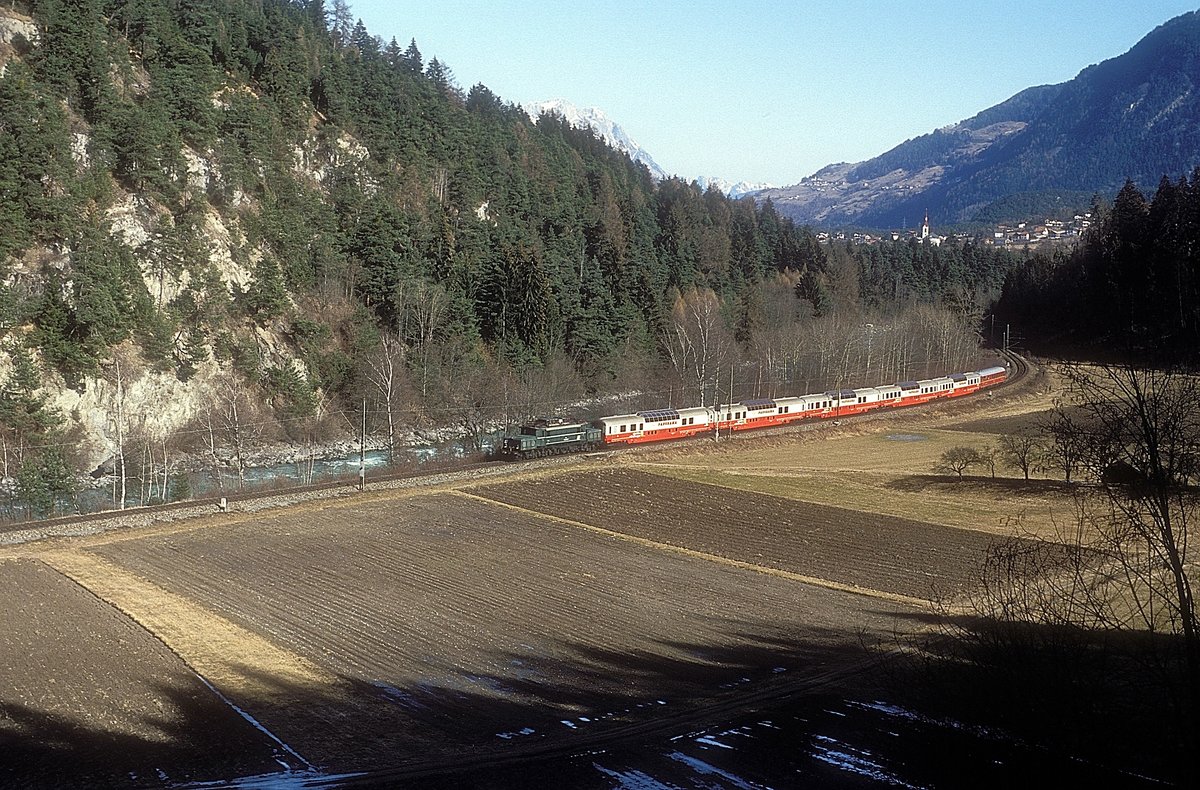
(543, 438)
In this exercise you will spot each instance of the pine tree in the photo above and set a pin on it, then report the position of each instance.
(412, 58)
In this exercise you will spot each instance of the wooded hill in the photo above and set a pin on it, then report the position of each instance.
(232, 213)
(1129, 291)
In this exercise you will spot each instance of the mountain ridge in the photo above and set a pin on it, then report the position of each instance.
(618, 138)
(1135, 116)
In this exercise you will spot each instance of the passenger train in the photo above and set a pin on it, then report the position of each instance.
(553, 437)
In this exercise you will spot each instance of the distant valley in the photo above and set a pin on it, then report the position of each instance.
(1044, 151)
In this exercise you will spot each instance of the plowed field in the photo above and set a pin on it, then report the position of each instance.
(846, 547)
(456, 624)
(86, 695)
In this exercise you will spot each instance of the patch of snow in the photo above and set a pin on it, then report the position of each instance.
(829, 751)
(524, 731)
(732, 189)
(254, 722)
(605, 128)
(708, 740)
(633, 780)
(402, 698)
(704, 769)
(287, 780)
(896, 711)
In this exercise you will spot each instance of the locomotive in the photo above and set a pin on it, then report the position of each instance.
(552, 437)
(543, 438)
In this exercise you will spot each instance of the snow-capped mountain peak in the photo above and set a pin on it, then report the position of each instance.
(731, 189)
(616, 137)
(606, 128)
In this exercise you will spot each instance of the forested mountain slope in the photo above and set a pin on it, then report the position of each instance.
(223, 221)
(1048, 148)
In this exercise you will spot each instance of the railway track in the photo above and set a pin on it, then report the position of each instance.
(239, 501)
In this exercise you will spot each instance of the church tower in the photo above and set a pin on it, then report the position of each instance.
(925, 226)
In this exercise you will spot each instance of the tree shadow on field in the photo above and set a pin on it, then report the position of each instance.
(539, 717)
(539, 704)
(41, 749)
(1108, 699)
(950, 484)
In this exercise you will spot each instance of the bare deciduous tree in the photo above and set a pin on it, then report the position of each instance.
(231, 426)
(1126, 562)
(1065, 446)
(421, 311)
(1021, 451)
(385, 370)
(1149, 421)
(957, 460)
(697, 341)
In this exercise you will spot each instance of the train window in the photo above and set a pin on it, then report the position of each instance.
(622, 429)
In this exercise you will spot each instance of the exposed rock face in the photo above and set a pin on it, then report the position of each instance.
(16, 30)
(17, 34)
(154, 406)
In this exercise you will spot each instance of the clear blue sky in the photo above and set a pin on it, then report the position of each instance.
(770, 90)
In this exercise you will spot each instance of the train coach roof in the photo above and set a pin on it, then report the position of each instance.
(758, 404)
(659, 415)
(841, 394)
(991, 371)
(908, 385)
(618, 418)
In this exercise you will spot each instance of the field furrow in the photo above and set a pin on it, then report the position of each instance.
(459, 619)
(88, 694)
(848, 548)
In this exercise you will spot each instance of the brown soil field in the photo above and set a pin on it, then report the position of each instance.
(459, 623)
(450, 624)
(88, 696)
(850, 549)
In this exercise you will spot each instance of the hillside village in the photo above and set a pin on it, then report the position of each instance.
(1030, 235)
